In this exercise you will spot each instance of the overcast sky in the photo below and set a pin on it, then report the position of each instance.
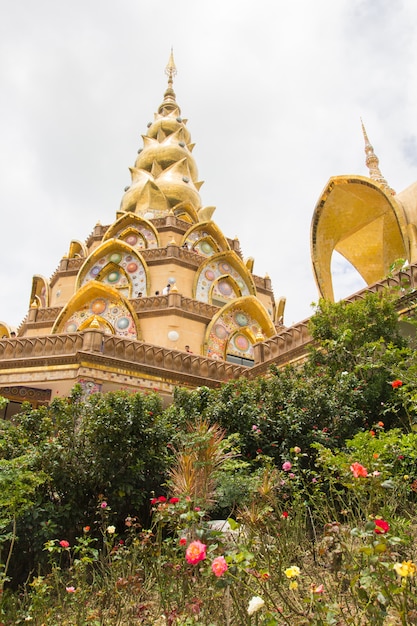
(273, 92)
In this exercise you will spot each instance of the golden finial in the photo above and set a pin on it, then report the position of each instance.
(372, 163)
(169, 104)
(170, 69)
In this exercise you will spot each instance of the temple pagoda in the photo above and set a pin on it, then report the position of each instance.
(163, 298)
(159, 298)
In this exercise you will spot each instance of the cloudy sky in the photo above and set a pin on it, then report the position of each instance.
(273, 92)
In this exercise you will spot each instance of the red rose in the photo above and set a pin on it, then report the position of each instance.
(396, 383)
(381, 526)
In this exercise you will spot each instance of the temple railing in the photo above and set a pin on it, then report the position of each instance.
(291, 344)
(125, 354)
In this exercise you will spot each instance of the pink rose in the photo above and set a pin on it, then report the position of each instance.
(195, 552)
(358, 470)
(219, 566)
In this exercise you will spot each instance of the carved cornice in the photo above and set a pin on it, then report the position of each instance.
(263, 284)
(174, 303)
(47, 315)
(164, 365)
(289, 345)
(97, 234)
(122, 355)
(170, 222)
(186, 258)
(66, 267)
(147, 307)
(23, 351)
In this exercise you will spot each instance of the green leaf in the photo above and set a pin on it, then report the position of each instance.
(234, 525)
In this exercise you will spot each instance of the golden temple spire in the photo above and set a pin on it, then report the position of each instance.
(372, 163)
(169, 104)
(170, 69)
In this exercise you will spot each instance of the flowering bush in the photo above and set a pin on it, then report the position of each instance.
(319, 489)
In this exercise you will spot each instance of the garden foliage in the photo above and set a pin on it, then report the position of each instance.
(107, 500)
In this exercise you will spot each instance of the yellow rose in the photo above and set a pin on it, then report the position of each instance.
(406, 568)
(292, 572)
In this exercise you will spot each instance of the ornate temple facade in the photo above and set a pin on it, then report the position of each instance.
(158, 298)
(162, 298)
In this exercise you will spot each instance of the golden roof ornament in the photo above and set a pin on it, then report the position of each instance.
(169, 104)
(259, 336)
(372, 163)
(94, 322)
(170, 69)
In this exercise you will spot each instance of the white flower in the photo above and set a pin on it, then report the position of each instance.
(111, 530)
(255, 604)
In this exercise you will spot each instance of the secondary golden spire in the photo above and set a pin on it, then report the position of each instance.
(372, 163)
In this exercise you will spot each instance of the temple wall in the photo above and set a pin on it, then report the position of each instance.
(155, 330)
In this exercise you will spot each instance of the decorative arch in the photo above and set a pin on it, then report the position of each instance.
(224, 289)
(40, 292)
(186, 212)
(223, 268)
(117, 265)
(355, 217)
(235, 329)
(206, 238)
(134, 230)
(96, 305)
(77, 249)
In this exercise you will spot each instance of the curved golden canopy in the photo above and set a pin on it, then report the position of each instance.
(359, 219)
